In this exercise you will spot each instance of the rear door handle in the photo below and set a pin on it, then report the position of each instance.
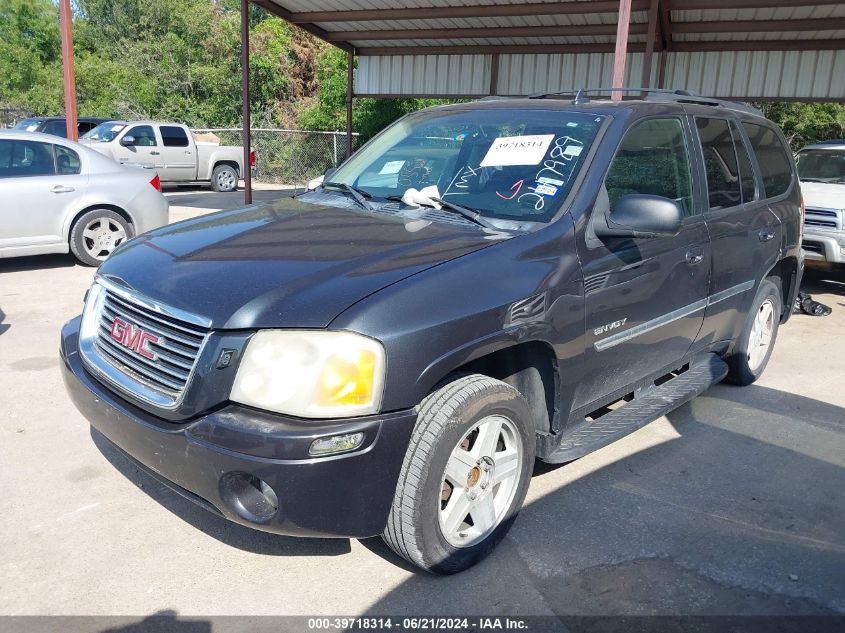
(62, 189)
(765, 235)
(154, 153)
(694, 257)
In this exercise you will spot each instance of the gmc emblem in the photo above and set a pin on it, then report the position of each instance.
(133, 337)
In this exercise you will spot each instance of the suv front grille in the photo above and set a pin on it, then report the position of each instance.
(146, 350)
(174, 352)
(826, 218)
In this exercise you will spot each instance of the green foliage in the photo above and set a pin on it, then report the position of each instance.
(369, 116)
(805, 123)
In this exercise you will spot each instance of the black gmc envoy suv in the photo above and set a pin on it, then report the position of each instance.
(479, 286)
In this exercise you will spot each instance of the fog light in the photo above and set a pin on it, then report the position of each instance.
(336, 444)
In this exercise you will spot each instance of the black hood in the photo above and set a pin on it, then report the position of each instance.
(283, 264)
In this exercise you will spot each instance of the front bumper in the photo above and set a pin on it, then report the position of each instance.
(346, 495)
(824, 246)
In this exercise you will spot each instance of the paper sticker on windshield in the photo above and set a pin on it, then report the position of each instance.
(573, 150)
(551, 181)
(116, 128)
(392, 167)
(545, 190)
(517, 150)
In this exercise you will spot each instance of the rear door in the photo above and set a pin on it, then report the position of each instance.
(39, 183)
(178, 162)
(645, 297)
(744, 233)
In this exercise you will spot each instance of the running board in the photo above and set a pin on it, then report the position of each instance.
(589, 436)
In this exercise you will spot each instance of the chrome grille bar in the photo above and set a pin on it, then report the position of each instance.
(141, 347)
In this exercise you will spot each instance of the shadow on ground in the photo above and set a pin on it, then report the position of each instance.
(37, 262)
(721, 520)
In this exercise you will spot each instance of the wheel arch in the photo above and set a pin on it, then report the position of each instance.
(530, 367)
(785, 271)
(217, 162)
(74, 218)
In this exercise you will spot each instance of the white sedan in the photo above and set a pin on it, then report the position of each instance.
(57, 196)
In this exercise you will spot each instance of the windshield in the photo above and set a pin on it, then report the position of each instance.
(507, 164)
(821, 165)
(30, 125)
(104, 132)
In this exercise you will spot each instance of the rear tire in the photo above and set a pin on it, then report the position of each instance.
(465, 475)
(224, 178)
(753, 348)
(96, 234)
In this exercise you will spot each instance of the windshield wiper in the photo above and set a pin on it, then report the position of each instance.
(470, 214)
(359, 195)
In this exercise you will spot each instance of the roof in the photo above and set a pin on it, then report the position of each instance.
(761, 49)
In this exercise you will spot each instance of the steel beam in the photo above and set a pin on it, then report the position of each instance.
(246, 137)
(649, 45)
(69, 77)
(469, 33)
(473, 11)
(620, 55)
(489, 49)
(350, 76)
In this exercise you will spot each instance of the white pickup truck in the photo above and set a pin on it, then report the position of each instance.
(821, 169)
(170, 149)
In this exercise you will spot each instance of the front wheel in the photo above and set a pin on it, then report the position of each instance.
(753, 348)
(224, 178)
(465, 474)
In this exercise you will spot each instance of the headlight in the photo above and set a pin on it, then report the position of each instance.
(311, 374)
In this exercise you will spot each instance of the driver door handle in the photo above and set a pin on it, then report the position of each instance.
(154, 153)
(62, 189)
(694, 257)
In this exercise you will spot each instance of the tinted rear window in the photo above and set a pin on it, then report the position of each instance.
(173, 136)
(772, 157)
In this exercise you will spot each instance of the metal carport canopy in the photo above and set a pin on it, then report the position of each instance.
(737, 49)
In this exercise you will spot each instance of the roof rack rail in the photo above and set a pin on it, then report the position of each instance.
(581, 96)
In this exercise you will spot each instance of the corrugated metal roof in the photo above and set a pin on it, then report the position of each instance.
(414, 68)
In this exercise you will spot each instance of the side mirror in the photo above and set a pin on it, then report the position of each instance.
(127, 141)
(328, 173)
(639, 215)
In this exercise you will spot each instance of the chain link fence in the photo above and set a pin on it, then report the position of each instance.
(288, 157)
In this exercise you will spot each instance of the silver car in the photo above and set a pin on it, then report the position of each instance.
(58, 196)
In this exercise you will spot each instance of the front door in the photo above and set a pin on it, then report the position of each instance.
(38, 182)
(645, 297)
(144, 149)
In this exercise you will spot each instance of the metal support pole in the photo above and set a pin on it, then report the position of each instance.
(66, 24)
(649, 46)
(494, 73)
(621, 53)
(661, 70)
(350, 75)
(246, 137)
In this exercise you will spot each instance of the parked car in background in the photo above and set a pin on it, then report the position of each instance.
(171, 150)
(57, 125)
(821, 168)
(389, 353)
(58, 196)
